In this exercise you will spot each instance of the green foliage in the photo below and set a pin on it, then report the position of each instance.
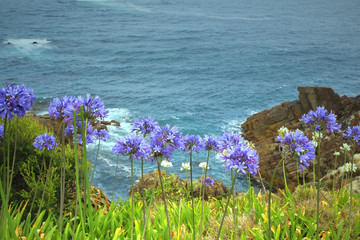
(292, 219)
(31, 166)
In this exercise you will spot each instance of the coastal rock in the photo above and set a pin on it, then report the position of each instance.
(174, 184)
(261, 129)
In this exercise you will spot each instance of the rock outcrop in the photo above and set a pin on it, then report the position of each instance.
(175, 184)
(262, 129)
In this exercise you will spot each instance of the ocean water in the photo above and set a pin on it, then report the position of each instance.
(204, 66)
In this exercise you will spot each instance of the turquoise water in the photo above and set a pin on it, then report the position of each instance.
(204, 66)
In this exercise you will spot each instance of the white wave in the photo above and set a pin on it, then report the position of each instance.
(119, 5)
(28, 45)
(139, 8)
(123, 116)
(232, 126)
(239, 18)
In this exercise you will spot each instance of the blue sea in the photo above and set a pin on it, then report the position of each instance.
(204, 66)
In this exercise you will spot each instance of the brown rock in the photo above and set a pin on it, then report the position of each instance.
(149, 180)
(261, 129)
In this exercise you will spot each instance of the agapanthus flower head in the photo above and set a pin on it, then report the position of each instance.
(159, 149)
(321, 119)
(345, 147)
(145, 126)
(211, 143)
(1, 132)
(45, 140)
(242, 158)
(15, 100)
(93, 107)
(58, 106)
(230, 139)
(204, 165)
(168, 135)
(347, 167)
(166, 164)
(101, 135)
(132, 145)
(90, 133)
(185, 166)
(208, 181)
(193, 143)
(336, 154)
(295, 145)
(353, 133)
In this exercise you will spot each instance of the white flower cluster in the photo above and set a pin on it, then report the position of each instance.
(336, 154)
(282, 131)
(203, 165)
(165, 164)
(315, 138)
(185, 166)
(345, 147)
(347, 167)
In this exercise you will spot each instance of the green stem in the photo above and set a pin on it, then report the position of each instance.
(318, 190)
(163, 197)
(226, 206)
(151, 202)
(77, 177)
(87, 200)
(284, 172)
(132, 198)
(62, 176)
(192, 197)
(269, 203)
(234, 213)
(202, 197)
(117, 163)
(14, 156)
(46, 181)
(333, 188)
(96, 159)
(142, 193)
(297, 174)
(36, 189)
(351, 187)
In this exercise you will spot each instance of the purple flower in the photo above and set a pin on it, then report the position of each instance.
(208, 181)
(93, 108)
(45, 141)
(101, 135)
(242, 158)
(90, 134)
(229, 139)
(211, 143)
(322, 120)
(164, 141)
(295, 145)
(160, 150)
(168, 135)
(193, 143)
(145, 126)
(1, 131)
(15, 99)
(353, 133)
(132, 145)
(58, 106)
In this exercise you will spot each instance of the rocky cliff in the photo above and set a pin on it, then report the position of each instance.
(261, 129)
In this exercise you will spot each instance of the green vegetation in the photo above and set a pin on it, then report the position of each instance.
(88, 214)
